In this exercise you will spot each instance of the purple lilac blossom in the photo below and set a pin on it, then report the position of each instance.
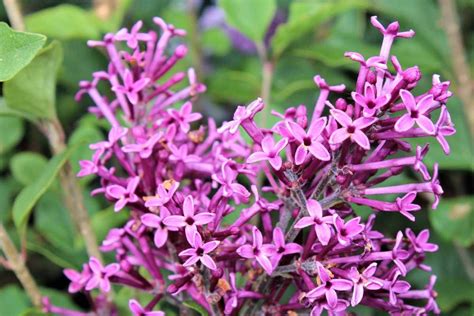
(183, 185)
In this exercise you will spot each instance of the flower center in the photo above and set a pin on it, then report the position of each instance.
(199, 251)
(256, 251)
(281, 250)
(189, 221)
(307, 141)
(351, 129)
(414, 114)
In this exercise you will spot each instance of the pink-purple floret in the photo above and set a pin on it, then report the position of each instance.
(182, 183)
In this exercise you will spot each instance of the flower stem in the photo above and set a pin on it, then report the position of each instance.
(17, 265)
(14, 14)
(72, 193)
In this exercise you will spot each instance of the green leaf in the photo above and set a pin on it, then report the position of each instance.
(26, 200)
(27, 166)
(60, 235)
(454, 220)
(216, 41)
(13, 300)
(33, 90)
(17, 50)
(196, 307)
(306, 15)
(11, 133)
(64, 21)
(251, 17)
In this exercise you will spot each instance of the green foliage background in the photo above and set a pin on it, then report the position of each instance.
(312, 41)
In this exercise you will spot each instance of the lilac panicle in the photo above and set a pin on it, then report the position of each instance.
(183, 182)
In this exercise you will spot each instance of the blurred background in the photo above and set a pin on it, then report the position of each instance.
(305, 38)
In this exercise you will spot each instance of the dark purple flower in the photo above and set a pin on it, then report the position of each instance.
(281, 247)
(133, 36)
(346, 231)
(364, 280)
(420, 243)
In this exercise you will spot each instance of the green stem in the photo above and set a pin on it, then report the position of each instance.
(18, 266)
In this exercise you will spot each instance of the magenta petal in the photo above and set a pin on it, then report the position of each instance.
(317, 127)
(160, 238)
(408, 99)
(292, 248)
(319, 151)
(203, 218)
(187, 252)
(188, 206)
(357, 294)
(246, 251)
(300, 154)
(115, 191)
(151, 220)
(192, 260)
(426, 124)
(342, 118)
(317, 292)
(278, 237)
(304, 222)
(210, 246)
(265, 263)
(208, 262)
(323, 232)
(257, 156)
(338, 136)
(331, 298)
(341, 284)
(361, 139)
(275, 162)
(314, 208)
(268, 143)
(175, 220)
(404, 123)
(297, 131)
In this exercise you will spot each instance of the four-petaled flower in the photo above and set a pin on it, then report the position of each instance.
(369, 102)
(309, 140)
(124, 195)
(328, 287)
(189, 220)
(258, 250)
(405, 206)
(138, 310)
(316, 219)
(363, 280)
(420, 243)
(281, 247)
(131, 88)
(398, 254)
(133, 36)
(270, 151)
(199, 251)
(241, 114)
(396, 286)
(351, 129)
(100, 275)
(156, 221)
(184, 116)
(163, 195)
(78, 279)
(115, 134)
(144, 149)
(416, 113)
(346, 231)
(230, 188)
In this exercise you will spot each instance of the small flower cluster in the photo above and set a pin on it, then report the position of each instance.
(184, 183)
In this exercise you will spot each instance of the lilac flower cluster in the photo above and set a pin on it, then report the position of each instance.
(183, 184)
